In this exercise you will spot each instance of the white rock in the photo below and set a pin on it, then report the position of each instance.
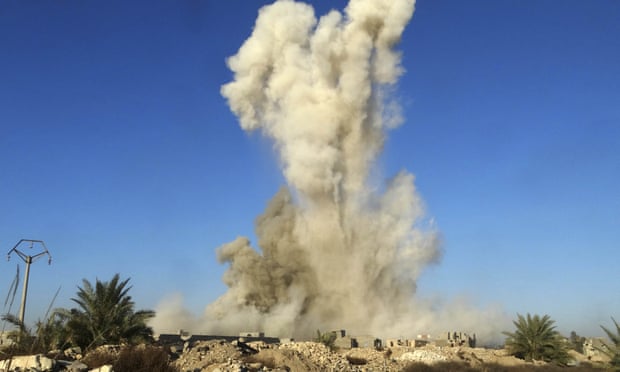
(106, 368)
(77, 366)
(37, 362)
(422, 356)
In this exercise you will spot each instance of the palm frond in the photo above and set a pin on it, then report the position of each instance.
(612, 350)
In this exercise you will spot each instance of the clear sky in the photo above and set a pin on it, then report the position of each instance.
(117, 149)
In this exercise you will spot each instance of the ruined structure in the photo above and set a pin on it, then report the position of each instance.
(447, 339)
(344, 341)
(593, 349)
(341, 340)
(456, 339)
(182, 337)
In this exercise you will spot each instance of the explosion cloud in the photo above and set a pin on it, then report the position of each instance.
(333, 252)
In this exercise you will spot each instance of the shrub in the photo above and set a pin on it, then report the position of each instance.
(356, 361)
(328, 338)
(46, 336)
(99, 357)
(576, 342)
(141, 358)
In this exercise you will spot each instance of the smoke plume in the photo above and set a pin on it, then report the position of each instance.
(333, 251)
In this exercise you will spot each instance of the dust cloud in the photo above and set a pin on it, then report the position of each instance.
(334, 250)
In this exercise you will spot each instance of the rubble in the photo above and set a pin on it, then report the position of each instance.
(424, 356)
(237, 356)
(203, 354)
(105, 368)
(76, 366)
(592, 349)
(313, 356)
(38, 362)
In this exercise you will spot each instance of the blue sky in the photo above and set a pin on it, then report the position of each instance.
(117, 149)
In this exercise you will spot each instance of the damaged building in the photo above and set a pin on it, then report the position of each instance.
(454, 339)
(447, 339)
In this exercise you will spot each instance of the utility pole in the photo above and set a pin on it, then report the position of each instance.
(28, 259)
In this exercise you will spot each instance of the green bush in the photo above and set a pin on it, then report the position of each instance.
(328, 338)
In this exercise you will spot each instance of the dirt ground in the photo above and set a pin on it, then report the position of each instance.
(310, 356)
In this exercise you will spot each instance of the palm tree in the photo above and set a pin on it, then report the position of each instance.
(612, 350)
(535, 338)
(105, 314)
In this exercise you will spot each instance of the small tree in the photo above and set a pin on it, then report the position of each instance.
(47, 335)
(328, 338)
(52, 333)
(105, 314)
(576, 342)
(535, 338)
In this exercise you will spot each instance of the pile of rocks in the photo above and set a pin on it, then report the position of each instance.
(424, 356)
(294, 356)
(222, 356)
(315, 354)
(207, 355)
(41, 363)
(311, 356)
(237, 356)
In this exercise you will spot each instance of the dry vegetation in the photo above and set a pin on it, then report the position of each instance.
(141, 358)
